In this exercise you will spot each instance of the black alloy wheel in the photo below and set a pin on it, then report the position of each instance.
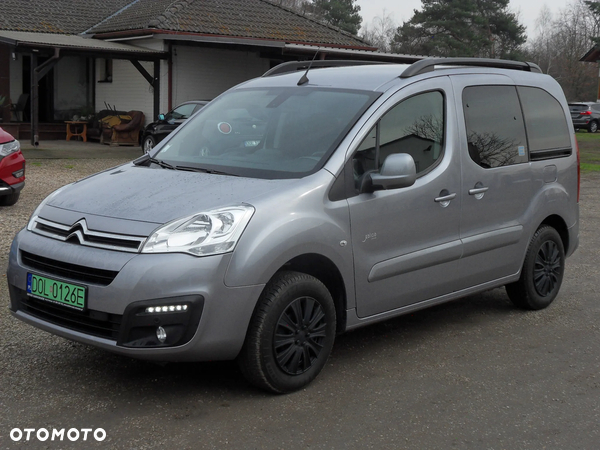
(547, 269)
(291, 333)
(542, 271)
(299, 335)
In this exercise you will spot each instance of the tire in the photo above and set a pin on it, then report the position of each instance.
(284, 352)
(593, 127)
(542, 272)
(10, 199)
(148, 143)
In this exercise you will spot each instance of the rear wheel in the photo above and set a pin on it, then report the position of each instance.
(593, 126)
(9, 200)
(291, 334)
(542, 272)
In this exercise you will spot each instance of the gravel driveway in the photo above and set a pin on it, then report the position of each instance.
(471, 374)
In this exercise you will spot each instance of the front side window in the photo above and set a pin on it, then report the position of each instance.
(286, 132)
(495, 129)
(414, 126)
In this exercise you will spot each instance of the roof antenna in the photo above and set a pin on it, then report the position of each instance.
(304, 78)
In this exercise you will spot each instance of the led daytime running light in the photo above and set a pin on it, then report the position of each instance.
(165, 309)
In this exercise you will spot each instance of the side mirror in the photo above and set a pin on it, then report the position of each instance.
(161, 117)
(398, 171)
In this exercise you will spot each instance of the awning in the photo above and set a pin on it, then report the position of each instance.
(74, 44)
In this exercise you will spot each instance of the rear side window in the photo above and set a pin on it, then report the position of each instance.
(547, 128)
(495, 128)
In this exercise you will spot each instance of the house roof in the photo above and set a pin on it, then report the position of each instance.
(25, 39)
(56, 16)
(251, 19)
(592, 55)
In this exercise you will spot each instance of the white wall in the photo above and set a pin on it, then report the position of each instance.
(204, 73)
(198, 74)
(128, 90)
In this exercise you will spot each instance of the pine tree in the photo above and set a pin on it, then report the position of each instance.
(477, 28)
(343, 14)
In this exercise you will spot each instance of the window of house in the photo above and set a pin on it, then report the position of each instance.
(414, 126)
(105, 70)
(495, 128)
(547, 128)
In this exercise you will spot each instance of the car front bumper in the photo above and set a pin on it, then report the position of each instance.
(116, 319)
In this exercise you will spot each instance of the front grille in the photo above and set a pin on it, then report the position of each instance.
(83, 274)
(79, 233)
(90, 322)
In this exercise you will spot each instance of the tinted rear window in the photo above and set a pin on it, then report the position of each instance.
(545, 120)
(573, 107)
(495, 128)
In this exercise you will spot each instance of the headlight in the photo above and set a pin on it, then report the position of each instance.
(209, 233)
(9, 147)
(31, 223)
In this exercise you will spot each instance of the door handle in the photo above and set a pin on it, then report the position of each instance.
(444, 198)
(479, 190)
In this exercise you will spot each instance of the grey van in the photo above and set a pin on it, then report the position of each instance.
(306, 203)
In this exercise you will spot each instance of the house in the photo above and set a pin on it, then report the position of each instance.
(74, 58)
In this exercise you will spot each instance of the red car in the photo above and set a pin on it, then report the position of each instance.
(12, 169)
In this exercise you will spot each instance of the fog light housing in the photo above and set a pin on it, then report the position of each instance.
(161, 334)
(19, 173)
(166, 322)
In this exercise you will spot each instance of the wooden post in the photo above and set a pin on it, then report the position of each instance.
(34, 98)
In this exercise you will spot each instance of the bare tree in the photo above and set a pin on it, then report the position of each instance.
(380, 31)
(559, 45)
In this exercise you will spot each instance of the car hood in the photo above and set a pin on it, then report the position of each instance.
(5, 137)
(143, 194)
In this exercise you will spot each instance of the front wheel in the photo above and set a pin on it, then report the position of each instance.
(542, 272)
(148, 144)
(291, 333)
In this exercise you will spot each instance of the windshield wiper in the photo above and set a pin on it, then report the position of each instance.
(203, 170)
(161, 163)
(145, 159)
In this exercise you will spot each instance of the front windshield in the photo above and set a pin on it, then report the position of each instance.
(266, 133)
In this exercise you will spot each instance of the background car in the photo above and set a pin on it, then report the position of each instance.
(12, 169)
(585, 115)
(157, 131)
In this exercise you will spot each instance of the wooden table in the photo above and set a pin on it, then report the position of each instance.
(76, 123)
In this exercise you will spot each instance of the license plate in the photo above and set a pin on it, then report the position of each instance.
(55, 291)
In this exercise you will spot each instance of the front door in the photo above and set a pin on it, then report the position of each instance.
(406, 241)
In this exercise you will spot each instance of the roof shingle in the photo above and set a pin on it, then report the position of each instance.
(255, 19)
(56, 16)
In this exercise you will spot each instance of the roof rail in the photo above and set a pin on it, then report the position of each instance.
(427, 65)
(295, 66)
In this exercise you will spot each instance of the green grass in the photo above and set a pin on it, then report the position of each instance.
(589, 151)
